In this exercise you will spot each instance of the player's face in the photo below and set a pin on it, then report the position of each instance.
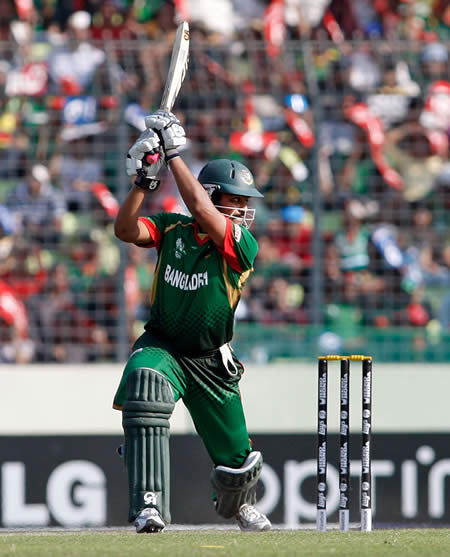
(231, 200)
(236, 207)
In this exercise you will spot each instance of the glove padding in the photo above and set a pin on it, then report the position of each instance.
(138, 162)
(170, 130)
(145, 159)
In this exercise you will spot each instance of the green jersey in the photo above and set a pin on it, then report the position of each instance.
(197, 286)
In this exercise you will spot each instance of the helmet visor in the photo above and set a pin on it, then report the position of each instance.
(244, 216)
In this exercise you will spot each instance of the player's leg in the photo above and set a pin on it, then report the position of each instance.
(214, 402)
(235, 490)
(151, 384)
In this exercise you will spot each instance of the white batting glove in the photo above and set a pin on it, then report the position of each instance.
(147, 143)
(145, 159)
(170, 129)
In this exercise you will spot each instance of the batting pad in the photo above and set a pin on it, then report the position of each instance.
(145, 421)
(236, 486)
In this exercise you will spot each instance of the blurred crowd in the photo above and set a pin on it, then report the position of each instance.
(340, 108)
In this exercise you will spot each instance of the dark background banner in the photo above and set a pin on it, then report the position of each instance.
(81, 480)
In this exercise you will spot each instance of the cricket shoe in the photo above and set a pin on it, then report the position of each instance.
(250, 519)
(149, 520)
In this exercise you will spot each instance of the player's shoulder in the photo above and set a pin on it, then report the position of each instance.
(182, 223)
(241, 233)
(185, 219)
(172, 218)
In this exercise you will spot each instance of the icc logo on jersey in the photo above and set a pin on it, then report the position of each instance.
(179, 248)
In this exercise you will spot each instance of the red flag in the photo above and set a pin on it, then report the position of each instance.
(299, 126)
(252, 142)
(360, 115)
(24, 8)
(436, 112)
(12, 310)
(31, 80)
(251, 120)
(274, 27)
(182, 10)
(332, 26)
(106, 198)
(215, 68)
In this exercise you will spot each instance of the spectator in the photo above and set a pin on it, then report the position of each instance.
(65, 332)
(76, 62)
(282, 304)
(223, 22)
(8, 12)
(423, 232)
(37, 206)
(395, 89)
(74, 169)
(294, 242)
(365, 72)
(23, 269)
(353, 245)
(14, 144)
(439, 22)
(352, 241)
(138, 282)
(7, 230)
(391, 100)
(358, 174)
(434, 59)
(435, 265)
(14, 348)
(109, 22)
(345, 15)
(92, 282)
(410, 152)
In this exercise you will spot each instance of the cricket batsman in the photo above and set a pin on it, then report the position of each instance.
(203, 263)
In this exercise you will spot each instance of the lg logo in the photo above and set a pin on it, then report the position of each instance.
(75, 496)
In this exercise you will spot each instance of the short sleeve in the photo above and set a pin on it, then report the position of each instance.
(240, 247)
(156, 224)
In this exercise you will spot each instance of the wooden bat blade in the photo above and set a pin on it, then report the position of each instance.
(178, 66)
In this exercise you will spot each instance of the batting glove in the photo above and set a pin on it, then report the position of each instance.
(170, 129)
(145, 159)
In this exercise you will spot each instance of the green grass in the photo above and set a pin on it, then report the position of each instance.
(304, 543)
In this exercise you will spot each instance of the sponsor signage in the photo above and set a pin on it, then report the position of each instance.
(76, 481)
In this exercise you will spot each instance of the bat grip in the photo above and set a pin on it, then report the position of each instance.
(150, 158)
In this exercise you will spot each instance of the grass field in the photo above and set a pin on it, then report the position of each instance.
(380, 543)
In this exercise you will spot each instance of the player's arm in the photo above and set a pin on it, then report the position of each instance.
(198, 202)
(194, 195)
(127, 226)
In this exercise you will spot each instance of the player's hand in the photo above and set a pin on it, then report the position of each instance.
(145, 159)
(170, 130)
(142, 155)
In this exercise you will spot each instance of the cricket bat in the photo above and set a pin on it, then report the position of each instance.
(178, 66)
(175, 76)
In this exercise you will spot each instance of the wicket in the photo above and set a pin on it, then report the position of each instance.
(344, 438)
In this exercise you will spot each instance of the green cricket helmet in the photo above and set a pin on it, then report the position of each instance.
(229, 176)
